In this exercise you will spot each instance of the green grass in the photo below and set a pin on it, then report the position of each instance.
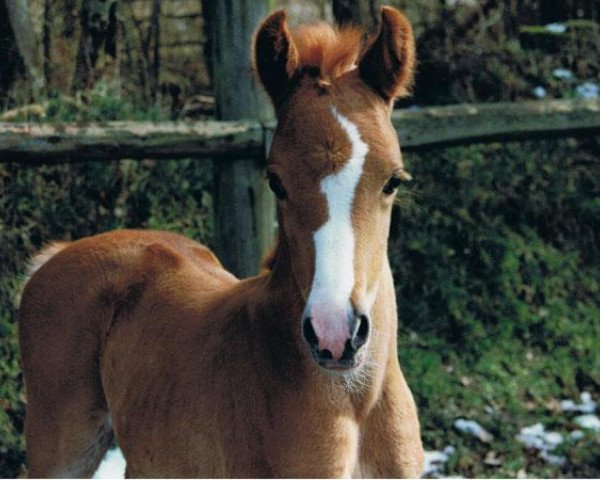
(496, 258)
(103, 103)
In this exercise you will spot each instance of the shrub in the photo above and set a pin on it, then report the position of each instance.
(496, 256)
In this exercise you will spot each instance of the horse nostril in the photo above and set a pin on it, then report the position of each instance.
(325, 354)
(309, 333)
(362, 332)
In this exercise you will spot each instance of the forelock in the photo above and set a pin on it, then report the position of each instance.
(333, 51)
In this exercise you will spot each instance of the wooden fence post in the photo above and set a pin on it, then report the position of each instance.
(245, 209)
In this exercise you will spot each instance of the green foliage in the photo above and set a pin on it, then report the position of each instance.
(496, 256)
(11, 397)
(500, 51)
(103, 103)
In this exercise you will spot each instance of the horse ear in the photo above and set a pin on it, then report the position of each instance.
(388, 62)
(275, 55)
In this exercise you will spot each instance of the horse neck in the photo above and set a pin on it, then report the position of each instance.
(280, 304)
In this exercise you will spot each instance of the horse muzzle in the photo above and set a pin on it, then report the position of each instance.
(336, 335)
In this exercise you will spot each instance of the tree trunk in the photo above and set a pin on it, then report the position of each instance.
(245, 216)
(70, 10)
(98, 33)
(47, 41)
(363, 13)
(11, 63)
(154, 43)
(20, 20)
(134, 45)
(207, 47)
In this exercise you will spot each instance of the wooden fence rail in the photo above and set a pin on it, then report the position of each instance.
(227, 140)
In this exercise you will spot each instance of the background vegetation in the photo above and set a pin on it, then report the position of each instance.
(496, 249)
(496, 260)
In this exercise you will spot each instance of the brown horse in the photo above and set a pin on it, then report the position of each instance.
(292, 373)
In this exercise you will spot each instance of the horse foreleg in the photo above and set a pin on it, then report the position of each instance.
(392, 445)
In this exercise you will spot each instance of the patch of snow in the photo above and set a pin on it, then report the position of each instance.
(576, 435)
(537, 438)
(473, 428)
(469, 3)
(569, 406)
(539, 92)
(112, 466)
(589, 421)
(588, 90)
(563, 74)
(587, 405)
(532, 437)
(436, 460)
(449, 450)
(553, 439)
(556, 460)
(556, 28)
(586, 397)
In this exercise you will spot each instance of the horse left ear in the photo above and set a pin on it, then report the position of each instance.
(388, 63)
(275, 55)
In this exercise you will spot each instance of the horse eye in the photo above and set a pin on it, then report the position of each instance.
(391, 185)
(276, 186)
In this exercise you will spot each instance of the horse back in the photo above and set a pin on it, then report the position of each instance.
(112, 303)
(80, 289)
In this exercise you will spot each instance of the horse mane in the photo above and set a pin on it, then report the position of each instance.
(334, 51)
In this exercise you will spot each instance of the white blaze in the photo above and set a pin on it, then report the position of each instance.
(334, 241)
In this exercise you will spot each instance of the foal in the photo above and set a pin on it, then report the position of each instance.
(292, 373)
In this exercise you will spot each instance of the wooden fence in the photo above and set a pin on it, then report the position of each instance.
(229, 140)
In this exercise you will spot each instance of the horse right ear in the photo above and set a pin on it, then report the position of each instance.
(388, 64)
(275, 55)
